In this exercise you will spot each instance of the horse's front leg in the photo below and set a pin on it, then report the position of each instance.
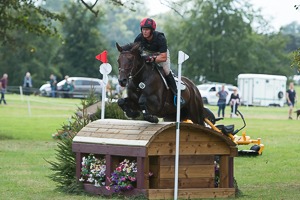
(143, 106)
(127, 107)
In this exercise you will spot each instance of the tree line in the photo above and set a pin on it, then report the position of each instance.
(222, 37)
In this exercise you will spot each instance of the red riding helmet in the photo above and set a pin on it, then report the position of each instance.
(148, 23)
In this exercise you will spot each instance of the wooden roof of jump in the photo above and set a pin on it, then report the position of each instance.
(133, 132)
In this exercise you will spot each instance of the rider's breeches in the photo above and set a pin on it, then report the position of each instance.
(166, 65)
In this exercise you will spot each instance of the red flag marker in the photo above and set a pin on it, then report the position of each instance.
(102, 56)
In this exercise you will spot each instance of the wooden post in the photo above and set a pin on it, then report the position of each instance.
(224, 169)
(78, 160)
(140, 172)
(108, 168)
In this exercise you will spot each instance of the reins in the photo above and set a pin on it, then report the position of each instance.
(134, 65)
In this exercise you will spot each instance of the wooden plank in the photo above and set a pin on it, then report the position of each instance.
(104, 135)
(78, 160)
(188, 171)
(107, 130)
(154, 167)
(146, 177)
(109, 149)
(84, 133)
(192, 193)
(89, 129)
(140, 173)
(189, 148)
(224, 171)
(205, 182)
(190, 135)
(187, 160)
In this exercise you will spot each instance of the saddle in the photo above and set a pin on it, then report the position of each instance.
(162, 73)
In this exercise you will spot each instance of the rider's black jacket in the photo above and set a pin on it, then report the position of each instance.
(157, 44)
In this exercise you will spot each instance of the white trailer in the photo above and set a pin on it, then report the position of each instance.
(262, 89)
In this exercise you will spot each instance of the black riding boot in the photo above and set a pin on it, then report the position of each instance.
(172, 84)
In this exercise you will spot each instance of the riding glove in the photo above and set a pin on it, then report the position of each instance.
(149, 59)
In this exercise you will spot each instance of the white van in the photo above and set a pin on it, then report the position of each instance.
(209, 91)
(262, 89)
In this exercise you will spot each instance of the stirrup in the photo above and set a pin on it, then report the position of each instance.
(182, 101)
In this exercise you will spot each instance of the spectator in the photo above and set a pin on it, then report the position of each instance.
(291, 97)
(222, 101)
(66, 87)
(53, 85)
(234, 102)
(71, 88)
(3, 86)
(27, 83)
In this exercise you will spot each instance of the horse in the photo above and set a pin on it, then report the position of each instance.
(147, 92)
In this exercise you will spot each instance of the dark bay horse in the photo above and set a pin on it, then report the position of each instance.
(147, 92)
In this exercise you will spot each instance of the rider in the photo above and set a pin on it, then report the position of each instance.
(155, 49)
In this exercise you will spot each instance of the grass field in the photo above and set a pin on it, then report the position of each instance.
(25, 143)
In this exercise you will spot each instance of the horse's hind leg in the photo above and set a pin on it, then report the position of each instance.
(123, 103)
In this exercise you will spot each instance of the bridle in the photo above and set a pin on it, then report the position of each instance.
(131, 68)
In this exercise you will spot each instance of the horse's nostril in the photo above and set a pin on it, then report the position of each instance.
(122, 82)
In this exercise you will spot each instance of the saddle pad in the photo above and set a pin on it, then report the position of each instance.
(182, 84)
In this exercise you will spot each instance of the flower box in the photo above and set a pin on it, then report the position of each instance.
(152, 146)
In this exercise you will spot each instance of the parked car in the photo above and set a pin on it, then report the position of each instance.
(82, 87)
(208, 92)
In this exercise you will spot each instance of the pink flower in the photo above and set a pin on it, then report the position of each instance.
(119, 169)
(107, 187)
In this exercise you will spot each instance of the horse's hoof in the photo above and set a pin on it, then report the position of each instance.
(151, 118)
(132, 114)
(121, 102)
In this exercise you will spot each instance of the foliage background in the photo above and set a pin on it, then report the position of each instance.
(223, 38)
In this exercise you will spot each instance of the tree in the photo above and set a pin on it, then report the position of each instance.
(219, 38)
(22, 14)
(82, 41)
(17, 14)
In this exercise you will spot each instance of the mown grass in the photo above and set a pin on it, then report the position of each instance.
(26, 142)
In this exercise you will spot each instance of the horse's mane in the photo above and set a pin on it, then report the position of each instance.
(130, 46)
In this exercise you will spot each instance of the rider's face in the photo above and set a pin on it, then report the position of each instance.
(146, 33)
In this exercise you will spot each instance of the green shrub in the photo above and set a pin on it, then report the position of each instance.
(64, 168)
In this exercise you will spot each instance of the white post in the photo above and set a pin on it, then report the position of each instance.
(104, 81)
(181, 58)
(105, 69)
(21, 93)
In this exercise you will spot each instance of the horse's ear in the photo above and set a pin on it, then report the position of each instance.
(118, 47)
(137, 47)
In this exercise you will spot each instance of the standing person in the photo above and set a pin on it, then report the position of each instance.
(291, 97)
(27, 83)
(234, 102)
(3, 86)
(53, 83)
(222, 101)
(71, 88)
(66, 87)
(155, 50)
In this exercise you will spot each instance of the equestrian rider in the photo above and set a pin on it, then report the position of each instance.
(155, 49)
